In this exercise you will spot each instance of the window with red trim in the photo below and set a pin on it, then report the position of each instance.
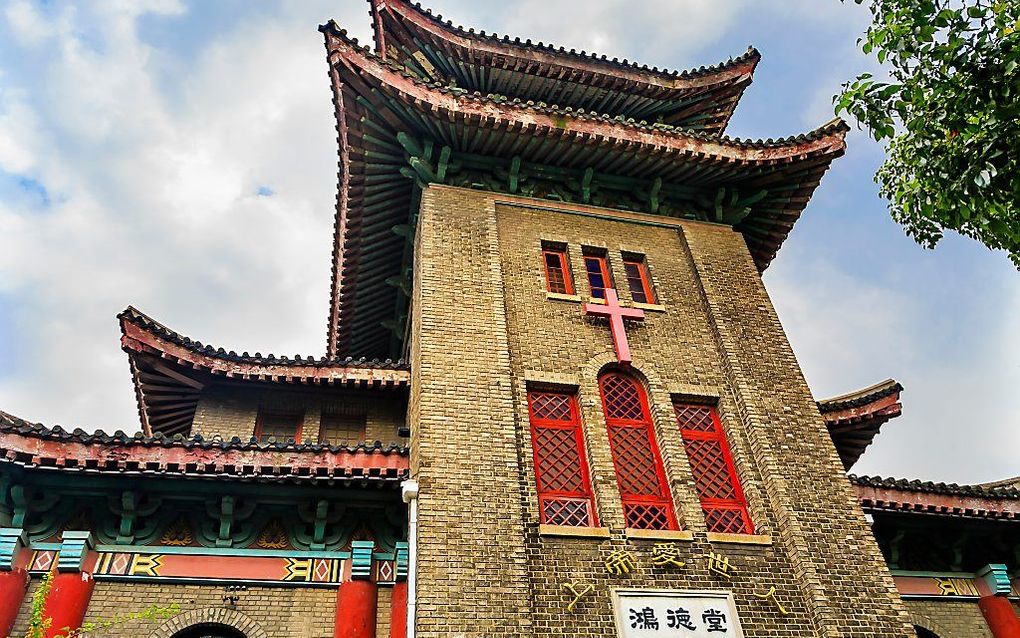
(638, 281)
(561, 468)
(557, 271)
(639, 473)
(598, 275)
(715, 477)
(279, 424)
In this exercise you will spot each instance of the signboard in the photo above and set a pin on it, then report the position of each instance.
(660, 613)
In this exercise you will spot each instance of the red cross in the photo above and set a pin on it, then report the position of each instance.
(616, 314)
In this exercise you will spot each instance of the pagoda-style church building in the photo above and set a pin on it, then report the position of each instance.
(556, 399)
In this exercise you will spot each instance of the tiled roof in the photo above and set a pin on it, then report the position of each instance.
(854, 419)
(37, 447)
(383, 111)
(702, 98)
(860, 397)
(913, 497)
(140, 319)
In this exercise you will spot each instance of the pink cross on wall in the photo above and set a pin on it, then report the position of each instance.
(616, 314)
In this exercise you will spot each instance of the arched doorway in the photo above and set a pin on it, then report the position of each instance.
(209, 630)
(924, 633)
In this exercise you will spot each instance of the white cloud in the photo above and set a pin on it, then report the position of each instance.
(26, 24)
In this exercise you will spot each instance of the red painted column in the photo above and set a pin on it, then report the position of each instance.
(68, 601)
(13, 585)
(356, 603)
(398, 610)
(1000, 616)
(13, 576)
(72, 585)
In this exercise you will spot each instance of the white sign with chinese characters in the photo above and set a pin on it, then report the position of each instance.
(666, 613)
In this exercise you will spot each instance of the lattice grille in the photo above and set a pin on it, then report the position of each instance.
(562, 511)
(727, 521)
(711, 472)
(644, 516)
(559, 464)
(622, 398)
(694, 417)
(549, 406)
(634, 460)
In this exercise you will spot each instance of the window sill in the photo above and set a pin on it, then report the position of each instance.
(659, 534)
(740, 539)
(574, 532)
(653, 307)
(559, 296)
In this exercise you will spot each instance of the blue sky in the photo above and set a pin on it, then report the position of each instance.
(180, 156)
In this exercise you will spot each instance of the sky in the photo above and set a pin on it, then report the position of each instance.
(181, 157)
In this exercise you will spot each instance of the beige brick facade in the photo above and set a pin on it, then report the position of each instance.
(483, 325)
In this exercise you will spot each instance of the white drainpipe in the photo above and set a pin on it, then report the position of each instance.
(409, 492)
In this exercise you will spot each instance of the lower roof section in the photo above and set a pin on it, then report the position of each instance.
(36, 447)
(903, 496)
(170, 371)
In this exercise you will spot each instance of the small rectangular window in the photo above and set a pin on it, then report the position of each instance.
(715, 477)
(598, 275)
(557, 270)
(638, 281)
(280, 425)
(338, 429)
(561, 467)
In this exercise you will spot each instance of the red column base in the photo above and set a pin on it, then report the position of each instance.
(1000, 616)
(398, 611)
(67, 602)
(355, 610)
(13, 585)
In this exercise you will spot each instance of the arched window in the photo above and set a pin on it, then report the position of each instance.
(209, 630)
(646, 499)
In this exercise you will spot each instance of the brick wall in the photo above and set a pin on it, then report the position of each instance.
(949, 619)
(232, 411)
(716, 336)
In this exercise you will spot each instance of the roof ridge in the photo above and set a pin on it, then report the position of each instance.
(142, 320)
(861, 396)
(750, 54)
(918, 485)
(835, 125)
(11, 423)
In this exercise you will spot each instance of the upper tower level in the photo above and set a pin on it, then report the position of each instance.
(402, 128)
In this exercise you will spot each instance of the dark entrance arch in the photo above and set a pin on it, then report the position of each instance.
(924, 633)
(209, 630)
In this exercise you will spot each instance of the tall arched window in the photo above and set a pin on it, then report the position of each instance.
(646, 499)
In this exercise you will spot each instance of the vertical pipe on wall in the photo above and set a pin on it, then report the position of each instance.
(409, 492)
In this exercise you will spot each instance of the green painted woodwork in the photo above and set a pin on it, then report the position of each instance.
(996, 577)
(361, 560)
(401, 559)
(12, 541)
(74, 548)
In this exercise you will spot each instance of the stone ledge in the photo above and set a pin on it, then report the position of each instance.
(740, 539)
(573, 532)
(653, 307)
(659, 534)
(559, 296)
(706, 393)
(562, 379)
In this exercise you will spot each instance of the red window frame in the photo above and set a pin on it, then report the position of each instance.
(638, 280)
(652, 509)
(601, 267)
(299, 425)
(560, 255)
(713, 469)
(560, 506)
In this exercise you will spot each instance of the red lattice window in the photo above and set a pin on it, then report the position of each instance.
(561, 469)
(280, 425)
(638, 281)
(639, 473)
(557, 271)
(715, 476)
(598, 275)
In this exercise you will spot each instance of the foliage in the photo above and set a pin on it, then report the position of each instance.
(38, 623)
(950, 113)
